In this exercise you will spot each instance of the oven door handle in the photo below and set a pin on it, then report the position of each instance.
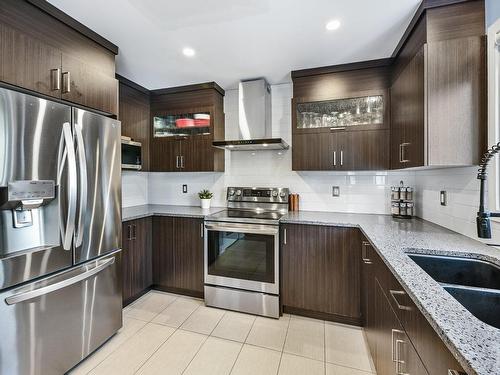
(243, 228)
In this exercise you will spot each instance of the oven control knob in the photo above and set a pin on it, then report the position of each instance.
(275, 193)
(231, 192)
(282, 194)
(238, 192)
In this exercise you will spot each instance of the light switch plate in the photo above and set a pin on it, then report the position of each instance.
(335, 191)
(184, 188)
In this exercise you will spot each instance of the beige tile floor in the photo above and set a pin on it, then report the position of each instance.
(165, 334)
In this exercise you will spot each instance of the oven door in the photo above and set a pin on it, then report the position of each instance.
(242, 256)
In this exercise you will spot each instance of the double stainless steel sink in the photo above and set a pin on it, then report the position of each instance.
(472, 282)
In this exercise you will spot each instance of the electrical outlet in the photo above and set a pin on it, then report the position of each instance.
(184, 188)
(443, 198)
(335, 191)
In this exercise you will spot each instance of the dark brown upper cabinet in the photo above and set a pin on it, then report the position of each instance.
(135, 114)
(423, 107)
(41, 53)
(341, 150)
(87, 85)
(438, 91)
(184, 123)
(341, 118)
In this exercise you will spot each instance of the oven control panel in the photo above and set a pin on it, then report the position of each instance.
(253, 194)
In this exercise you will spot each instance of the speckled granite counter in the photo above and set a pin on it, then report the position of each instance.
(137, 212)
(475, 344)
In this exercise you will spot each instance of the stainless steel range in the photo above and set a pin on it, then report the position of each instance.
(242, 251)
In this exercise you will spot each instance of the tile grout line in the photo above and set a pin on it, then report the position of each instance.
(242, 345)
(195, 354)
(158, 348)
(126, 340)
(218, 322)
(324, 346)
(151, 322)
(284, 342)
(106, 357)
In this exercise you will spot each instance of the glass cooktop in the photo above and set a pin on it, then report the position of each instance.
(246, 216)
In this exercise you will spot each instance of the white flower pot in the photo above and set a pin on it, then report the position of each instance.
(205, 203)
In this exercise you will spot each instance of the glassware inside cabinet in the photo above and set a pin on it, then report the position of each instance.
(339, 113)
(186, 124)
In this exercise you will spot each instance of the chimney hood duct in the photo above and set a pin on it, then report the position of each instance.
(254, 125)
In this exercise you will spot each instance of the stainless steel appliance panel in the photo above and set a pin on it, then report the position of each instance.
(50, 325)
(244, 256)
(241, 300)
(32, 145)
(30, 131)
(131, 155)
(98, 149)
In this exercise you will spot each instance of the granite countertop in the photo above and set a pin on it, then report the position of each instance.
(138, 212)
(476, 345)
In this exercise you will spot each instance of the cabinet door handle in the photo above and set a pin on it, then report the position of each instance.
(177, 162)
(364, 256)
(284, 236)
(395, 293)
(129, 232)
(66, 82)
(402, 158)
(182, 162)
(202, 232)
(394, 332)
(334, 158)
(55, 79)
(341, 157)
(399, 361)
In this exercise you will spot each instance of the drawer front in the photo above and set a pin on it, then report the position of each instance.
(56, 322)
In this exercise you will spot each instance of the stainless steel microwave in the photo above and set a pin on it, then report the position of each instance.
(131, 154)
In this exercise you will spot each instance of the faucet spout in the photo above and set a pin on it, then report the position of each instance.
(483, 215)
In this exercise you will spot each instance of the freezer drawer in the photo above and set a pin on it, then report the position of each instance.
(49, 326)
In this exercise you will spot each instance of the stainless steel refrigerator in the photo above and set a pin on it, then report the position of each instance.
(60, 234)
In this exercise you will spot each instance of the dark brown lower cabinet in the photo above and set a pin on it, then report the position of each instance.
(395, 327)
(136, 259)
(178, 255)
(321, 272)
(394, 353)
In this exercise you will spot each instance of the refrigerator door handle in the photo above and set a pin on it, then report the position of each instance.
(25, 296)
(67, 154)
(82, 161)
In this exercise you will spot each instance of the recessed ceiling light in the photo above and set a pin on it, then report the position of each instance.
(333, 25)
(189, 52)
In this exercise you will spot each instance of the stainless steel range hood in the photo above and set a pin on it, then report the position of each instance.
(254, 115)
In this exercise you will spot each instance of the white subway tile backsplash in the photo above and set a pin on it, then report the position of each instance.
(134, 188)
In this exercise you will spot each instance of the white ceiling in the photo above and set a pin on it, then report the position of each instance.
(240, 39)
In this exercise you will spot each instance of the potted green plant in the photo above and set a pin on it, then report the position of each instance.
(205, 197)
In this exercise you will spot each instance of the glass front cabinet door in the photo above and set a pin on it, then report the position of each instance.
(363, 111)
(182, 124)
